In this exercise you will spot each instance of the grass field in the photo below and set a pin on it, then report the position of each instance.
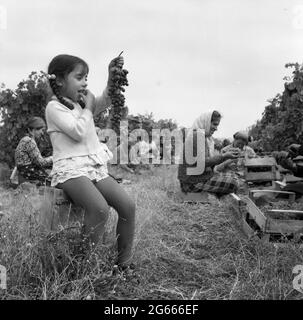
(182, 251)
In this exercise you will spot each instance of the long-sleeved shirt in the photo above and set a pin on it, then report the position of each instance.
(27, 152)
(72, 132)
(234, 165)
(247, 150)
(210, 162)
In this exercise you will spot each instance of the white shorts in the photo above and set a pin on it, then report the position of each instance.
(90, 166)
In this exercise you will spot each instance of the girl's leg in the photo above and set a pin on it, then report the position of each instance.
(84, 193)
(125, 207)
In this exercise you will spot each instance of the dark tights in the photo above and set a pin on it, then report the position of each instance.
(96, 198)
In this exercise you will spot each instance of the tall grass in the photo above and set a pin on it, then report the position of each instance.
(182, 251)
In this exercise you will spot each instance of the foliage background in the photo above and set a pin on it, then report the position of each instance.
(30, 99)
(281, 122)
(279, 126)
(16, 107)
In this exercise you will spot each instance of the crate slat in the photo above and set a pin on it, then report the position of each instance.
(237, 204)
(283, 226)
(287, 211)
(259, 176)
(260, 162)
(291, 195)
(285, 214)
(248, 230)
(256, 213)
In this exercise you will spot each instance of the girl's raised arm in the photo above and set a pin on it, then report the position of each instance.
(102, 102)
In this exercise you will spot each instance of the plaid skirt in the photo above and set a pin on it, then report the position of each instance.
(220, 183)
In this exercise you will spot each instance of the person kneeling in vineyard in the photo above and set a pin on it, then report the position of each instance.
(285, 159)
(30, 164)
(208, 180)
(236, 166)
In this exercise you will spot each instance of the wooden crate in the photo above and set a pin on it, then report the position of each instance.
(237, 204)
(243, 220)
(57, 211)
(261, 170)
(275, 223)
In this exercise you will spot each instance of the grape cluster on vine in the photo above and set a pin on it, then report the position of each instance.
(119, 81)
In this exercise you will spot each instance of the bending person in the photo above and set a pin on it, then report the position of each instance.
(219, 183)
(239, 144)
(28, 159)
(285, 159)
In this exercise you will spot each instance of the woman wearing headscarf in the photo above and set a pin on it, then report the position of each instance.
(28, 159)
(208, 181)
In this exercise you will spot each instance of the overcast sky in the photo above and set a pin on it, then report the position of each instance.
(185, 57)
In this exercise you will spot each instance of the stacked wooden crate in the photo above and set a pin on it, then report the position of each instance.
(272, 225)
(261, 169)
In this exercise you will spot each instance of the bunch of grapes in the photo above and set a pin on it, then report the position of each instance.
(116, 90)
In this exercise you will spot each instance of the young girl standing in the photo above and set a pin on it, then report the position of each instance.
(78, 165)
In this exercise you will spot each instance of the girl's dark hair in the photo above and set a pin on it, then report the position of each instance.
(61, 66)
(215, 116)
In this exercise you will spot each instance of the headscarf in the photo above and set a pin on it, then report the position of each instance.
(242, 135)
(35, 122)
(204, 122)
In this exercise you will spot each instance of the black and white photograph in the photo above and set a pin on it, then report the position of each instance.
(151, 153)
